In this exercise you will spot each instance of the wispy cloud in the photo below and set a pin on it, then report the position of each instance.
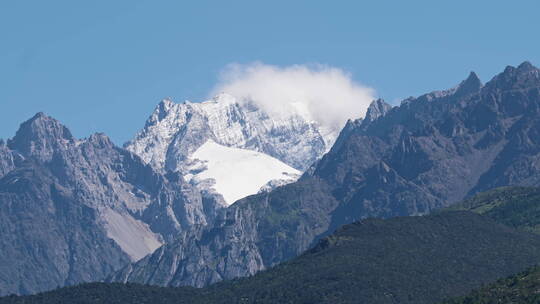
(325, 94)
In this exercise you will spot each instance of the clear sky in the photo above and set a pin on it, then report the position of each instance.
(104, 65)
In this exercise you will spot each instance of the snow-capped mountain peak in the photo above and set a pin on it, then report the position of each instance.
(176, 131)
(224, 98)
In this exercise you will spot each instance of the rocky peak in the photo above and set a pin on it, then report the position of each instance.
(527, 66)
(164, 106)
(224, 98)
(471, 85)
(349, 128)
(525, 75)
(100, 140)
(377, 109)
(352, 124)
(40, 136)
(160, 112)
(524, 68)
(166, 103)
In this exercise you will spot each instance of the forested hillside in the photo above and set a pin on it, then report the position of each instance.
(523, 288)
(400, 260)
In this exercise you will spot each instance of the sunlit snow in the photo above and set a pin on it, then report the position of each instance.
(236, 172)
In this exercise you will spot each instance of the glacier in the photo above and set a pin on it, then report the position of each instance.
(236, 173)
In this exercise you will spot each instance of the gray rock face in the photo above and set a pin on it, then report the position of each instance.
(377, 109)
(427, 153)
(250, 235)
(40, 137)
(8, 159)
(47, 238)
(74, 210)
(431, 152)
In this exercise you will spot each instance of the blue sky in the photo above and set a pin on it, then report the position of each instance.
(104, 65)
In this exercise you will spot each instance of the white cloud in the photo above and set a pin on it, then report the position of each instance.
(325, 94)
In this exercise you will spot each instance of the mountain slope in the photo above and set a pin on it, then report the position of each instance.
(517, 207)
(428, 153)
(47, 238)
(259, 230)
(74, 210)
(8, 159)
(399, 260)
(521, 288)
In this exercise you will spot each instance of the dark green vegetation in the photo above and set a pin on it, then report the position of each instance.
(517, 207)
(523, 288)
(110, 293)
(399, 260)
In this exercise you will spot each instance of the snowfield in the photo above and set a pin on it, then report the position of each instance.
(236, 173)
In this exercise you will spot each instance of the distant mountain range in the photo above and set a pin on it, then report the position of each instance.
(75, 210)
(165, 209)
(426, 154)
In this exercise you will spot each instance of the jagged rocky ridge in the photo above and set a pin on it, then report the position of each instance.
(287, 142)
(175, 130)
(428, 153)
(75, 210)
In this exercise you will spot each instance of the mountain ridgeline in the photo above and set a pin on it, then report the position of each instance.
(79, 210)
(75, 210)
(426, 154)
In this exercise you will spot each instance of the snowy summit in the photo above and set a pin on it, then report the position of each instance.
(230, 148)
